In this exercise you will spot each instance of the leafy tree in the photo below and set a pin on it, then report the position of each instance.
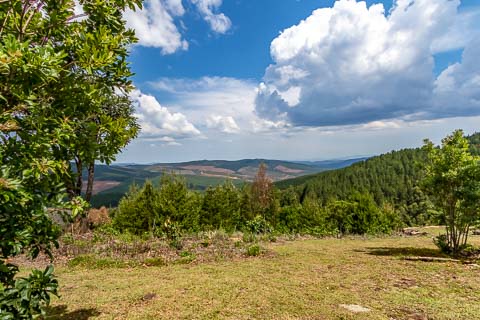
(56, 75)
(177, 203)
(360, 215)
(221, 207)
(151, 208)
(138, 210)
(452, 179)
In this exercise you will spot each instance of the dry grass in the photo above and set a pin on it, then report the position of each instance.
(305, 279)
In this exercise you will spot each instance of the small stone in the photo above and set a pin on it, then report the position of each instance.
(354, 308)
(149, 296)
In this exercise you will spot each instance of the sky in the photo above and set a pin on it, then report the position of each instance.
(300, 79)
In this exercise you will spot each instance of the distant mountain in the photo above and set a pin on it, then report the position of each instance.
(111, 182)
(333, 164)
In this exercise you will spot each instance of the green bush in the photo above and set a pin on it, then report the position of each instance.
(147, 209)
(249, 237)
(221, 208)
(253, 250)
(258, 225)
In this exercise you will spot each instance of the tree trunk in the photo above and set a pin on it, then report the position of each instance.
(91, 173)
(79, 182)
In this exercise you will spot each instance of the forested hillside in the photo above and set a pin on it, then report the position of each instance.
(390, 178)
(112, 182)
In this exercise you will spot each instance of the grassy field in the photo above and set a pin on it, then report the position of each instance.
(301, 279)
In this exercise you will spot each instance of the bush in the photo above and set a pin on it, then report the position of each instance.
(258, 225)
(442, 243)
(253, 250)
(147, 209)
(360, 215)
(221, 208)
(249, 237)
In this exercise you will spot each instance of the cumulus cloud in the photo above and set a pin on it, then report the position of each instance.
(224, 124)
(220, 96)
(230, 102)
(158, 123)
(457, 89)
(353, 64)
(464, 30)
(154, 25)
(218, 22)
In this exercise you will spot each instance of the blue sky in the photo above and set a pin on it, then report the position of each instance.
(301, 79)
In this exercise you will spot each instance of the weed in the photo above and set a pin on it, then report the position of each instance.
(186, 257)
(249, 237)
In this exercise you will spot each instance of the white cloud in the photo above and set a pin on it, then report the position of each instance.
(224, 124)
(154, 25)
(457, 89)
(465, 29)
(218, 22)
(158, 123)
(221, 96)
(352, 64)
(230, 103)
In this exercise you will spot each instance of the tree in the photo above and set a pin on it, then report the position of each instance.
(263, 195)
(56, 74)
(452, 179)
(99, 136)
(221, 207)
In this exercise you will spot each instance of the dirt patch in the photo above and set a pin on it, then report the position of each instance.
(209, 169)
(287, 170)
(355, 308)
(101, 185)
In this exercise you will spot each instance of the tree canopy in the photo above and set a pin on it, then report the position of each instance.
(64, 82)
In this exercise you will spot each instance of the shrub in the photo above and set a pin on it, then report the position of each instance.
(258, 225)
(442, 243)
(98, 217)
(249, 237)
(253, 250)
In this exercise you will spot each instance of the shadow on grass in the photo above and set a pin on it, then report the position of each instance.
(61, 313)
(405, 251)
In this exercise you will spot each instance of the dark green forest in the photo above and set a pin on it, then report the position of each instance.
(391, 178)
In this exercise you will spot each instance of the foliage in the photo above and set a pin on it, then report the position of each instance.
(151, 208)
(258, 226)
(59, 78)
(221, 207)
(360, 215)
(253, 250)
(452, 179)
(21, 298)
(393, 178)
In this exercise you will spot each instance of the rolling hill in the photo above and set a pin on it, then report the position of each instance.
(111, 182)
(390, 178)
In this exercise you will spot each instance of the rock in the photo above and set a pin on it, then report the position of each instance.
(149, 296)
(354, 308)
(413, 232)
(476, 232)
